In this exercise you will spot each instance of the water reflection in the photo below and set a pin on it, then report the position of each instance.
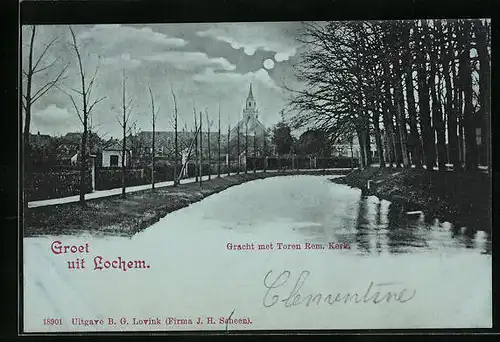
(312, 209)
(381, 227)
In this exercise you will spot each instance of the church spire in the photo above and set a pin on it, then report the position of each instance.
(250, 93)
(250, 103)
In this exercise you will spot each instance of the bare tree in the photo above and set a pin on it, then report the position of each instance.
(254, 150)
(176, 142)
(264, 148)
(35, 67)
(84, 113)
(218, 148)
(238, 147)
(246, 144)
(482, 30)
(190, 148)
(123, 122)
(201, 149)
(209, 126)
(154, 115)
(195, 144)
(228, 149)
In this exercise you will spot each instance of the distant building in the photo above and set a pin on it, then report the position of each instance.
(344, 150)
(39, 141)
(250, 119)
(112, 156)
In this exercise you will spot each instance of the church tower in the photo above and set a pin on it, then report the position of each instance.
(249, 120)
(250, 112)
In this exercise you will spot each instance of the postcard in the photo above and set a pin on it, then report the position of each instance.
(255, 176)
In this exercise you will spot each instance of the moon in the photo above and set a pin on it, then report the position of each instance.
(268, 64)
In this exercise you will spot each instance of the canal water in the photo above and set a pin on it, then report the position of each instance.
(202, 265)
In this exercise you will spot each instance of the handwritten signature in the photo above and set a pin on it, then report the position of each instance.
(375, 293)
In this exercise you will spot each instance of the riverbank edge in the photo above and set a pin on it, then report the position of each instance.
(119, 216)
(464, 199)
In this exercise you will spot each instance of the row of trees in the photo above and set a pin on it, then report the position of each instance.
(421, 88)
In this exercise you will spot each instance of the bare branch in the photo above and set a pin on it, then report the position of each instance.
(91, 83)
(80, 66)
(119, 120)
(128, 115)
(46, 67)
(43, 54)
(76, 107)
(95, 102)
(48, 85)
(74, 90)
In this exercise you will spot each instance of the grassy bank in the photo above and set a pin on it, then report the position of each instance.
(126, 216)
(463, 198)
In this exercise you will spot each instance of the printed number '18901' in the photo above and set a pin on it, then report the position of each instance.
(52, 321)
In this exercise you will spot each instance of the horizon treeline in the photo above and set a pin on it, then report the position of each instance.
(419, 89)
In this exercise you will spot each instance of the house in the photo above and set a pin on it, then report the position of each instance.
(112, 155)
(69, 146)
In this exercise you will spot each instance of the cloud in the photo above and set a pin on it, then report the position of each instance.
(250, 38)
(190, 60)
(117, 34)
(121, 61)
(54, 119)
(261, 76)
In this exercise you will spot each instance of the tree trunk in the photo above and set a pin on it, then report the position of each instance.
(484, 85)
(388, 108)
(367, 139)
(437, 114)
(153, 158)
(209, 154)
(378, 138)
(176, 149)
(196, 148)
(228, 150)
(238, 148)
(83, 162)
(254, 151)
(415, 143)
(264, 150)
(361, 143)
(424, 101)
(400, 117)
(451, 104)
(218, 149)
(437, 118)
(201, 150)
(389, 134)
(246, 147)
(124, 132)
(466, 86)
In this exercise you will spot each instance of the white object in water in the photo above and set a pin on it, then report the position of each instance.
(417, 212)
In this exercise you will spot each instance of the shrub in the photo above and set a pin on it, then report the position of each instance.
(50, 184)
(111, 178)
